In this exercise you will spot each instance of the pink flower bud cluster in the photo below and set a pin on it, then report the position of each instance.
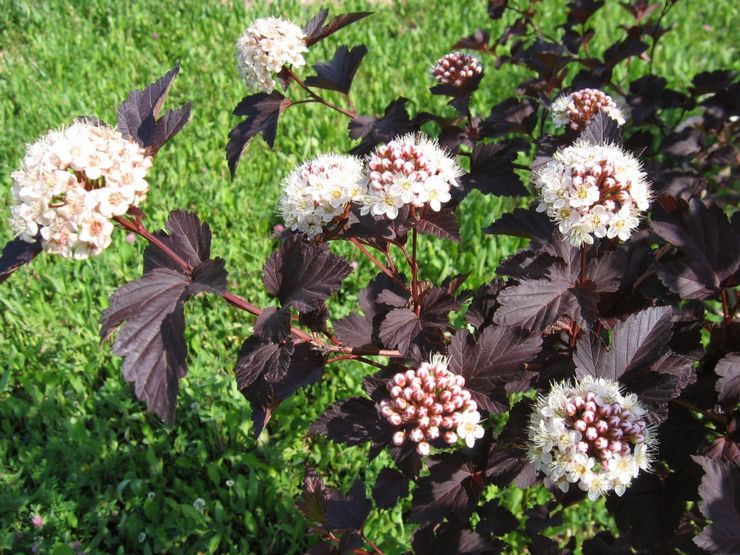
(409, 170)
(577, 109)
(456, 69)
(431, 403)
(591, 434)
(593, 191)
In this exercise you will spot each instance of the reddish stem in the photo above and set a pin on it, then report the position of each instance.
(414, 274)
(318, 98)
(375, 261)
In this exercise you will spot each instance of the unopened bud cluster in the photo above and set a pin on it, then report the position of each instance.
(590, 434)
(409, 170)
(431, 403)
(265, 47)
(577, 109)
(320, 191)
(593, 190)
(456, 69)
(72, 182)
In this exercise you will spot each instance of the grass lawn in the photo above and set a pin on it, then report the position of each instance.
(76, 447)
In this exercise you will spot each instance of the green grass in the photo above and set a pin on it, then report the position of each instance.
(75, 445)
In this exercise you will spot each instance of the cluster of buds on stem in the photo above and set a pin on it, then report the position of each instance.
(577, 109)
(591, 434)
(409, 170)
(456, 69)
(431, 403)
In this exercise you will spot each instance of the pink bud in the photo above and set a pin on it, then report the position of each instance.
(421, 412)
(408, 167)
(395, 419)
(588, 417)
(615, 446)
(449, 407)
(614, 421)
(437, 408)
(423, 448)
(615, 433)
(580, 425)
(450, 437)
(435, 420)
(471, 405)
(570, 409)
(400, 403)
(430, 384)
(408, 393)
(625, 450)
(415, 383)
(428, 402)
(416, 435)
(422, 373)
(590, 396)
(590, 406)
(386, 411)
(396, 391)
(432, 432)
(443, 382)
(445, 395)
(410, 375)
(582, 446)
(423, 422)
(591, 433)
(601, 426)
(456, 389)
(447, 422)
(605, 411)
(465, 394)
(399, 438)
(410, 411)
(440, 372)
(418, 395)
(456, 418)
(399, 380)
(459, 381)
(458, 402)
(606, 455)
(601, 443)
(579, 402)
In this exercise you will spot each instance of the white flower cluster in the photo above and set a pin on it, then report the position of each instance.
(577, 108)
(265, 47)
(409, 170)
(319, 191)
(72, 182)
(593, 190)
(589, 433)
(430, 403)
(456, 69)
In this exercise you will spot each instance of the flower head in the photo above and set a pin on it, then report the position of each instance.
(591, 434)
(593, 191)
(431, 403)
(410, 169)
(265, 47)
(576, 109)
(37, 521)
(72, 182)
(456, 69)
(319, 191)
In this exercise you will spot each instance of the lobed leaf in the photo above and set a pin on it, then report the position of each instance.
(138, 116)
(303, 274)
(316, 30)
(390, 486)
(492, 171)
(262, 111)
(728, 385)
(720, 502)
(337, 74)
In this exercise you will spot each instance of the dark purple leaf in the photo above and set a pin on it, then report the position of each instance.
(495, 520)
(315, 319)
(511, 115)
(348, 512)
(710, 244)
(476, 41)
(631, 46)
(452, 486)
(315, 496)
(523, 222)
(152, 339)
(303, 274)
(720, 502)
(16, 253)
(601, 129)
(337, 74)
(492, 171)
(374, 131)
(451, 537)
(508, 462)
(496, 8)
(484, 305)
(390, 486)
(417, 336)
(316, 30)
(262, 111)
(441, 224)
(188, 238)
(138, 116)
(354, 330)
(728, 385)
(273, 325)
(496, 359)
(684, 143)
(353, 422)
(712, 81)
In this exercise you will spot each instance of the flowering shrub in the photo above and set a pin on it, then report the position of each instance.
(604, 353)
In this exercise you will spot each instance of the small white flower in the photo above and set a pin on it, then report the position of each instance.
(199, 504)
(265, 47)
(469, 429)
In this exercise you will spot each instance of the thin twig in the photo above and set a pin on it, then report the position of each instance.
(318, 98)
(375, 261)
